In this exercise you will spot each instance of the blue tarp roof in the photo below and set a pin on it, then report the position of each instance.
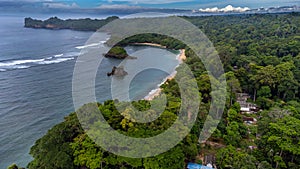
(197, 166)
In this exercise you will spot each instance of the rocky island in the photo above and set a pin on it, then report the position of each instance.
(118, 52)
(117, 71)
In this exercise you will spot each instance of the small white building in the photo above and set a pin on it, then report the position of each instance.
(246, 107)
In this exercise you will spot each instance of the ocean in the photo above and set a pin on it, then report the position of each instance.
(36, 70)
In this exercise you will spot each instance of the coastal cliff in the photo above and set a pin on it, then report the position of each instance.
(74, 24)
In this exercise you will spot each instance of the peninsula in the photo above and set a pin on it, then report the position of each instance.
(73, 24)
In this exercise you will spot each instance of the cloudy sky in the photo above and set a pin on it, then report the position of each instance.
(181, 4)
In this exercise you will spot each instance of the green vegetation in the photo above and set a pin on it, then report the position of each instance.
(74, 24)
(163, 40)
(14, 166)
(117, 52)
(261, 56)
(67, 146)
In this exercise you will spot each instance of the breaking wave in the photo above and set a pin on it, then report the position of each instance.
(87, 46)
(24, 64)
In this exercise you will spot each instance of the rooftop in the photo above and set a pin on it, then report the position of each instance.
(197, 166)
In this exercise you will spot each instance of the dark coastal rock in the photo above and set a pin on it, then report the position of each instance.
(116, 56)
(117, 71)
(119, 56)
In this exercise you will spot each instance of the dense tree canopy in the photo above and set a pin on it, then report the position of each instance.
(261, 56)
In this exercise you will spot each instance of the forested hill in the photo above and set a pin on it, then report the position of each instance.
(261, 56)
(74, 24)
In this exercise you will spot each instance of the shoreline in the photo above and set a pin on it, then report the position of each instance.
(156, 92)
(181, 57)
(150, 44)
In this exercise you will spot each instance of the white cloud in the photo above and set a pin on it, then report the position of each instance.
(60, 5)
(228, 8)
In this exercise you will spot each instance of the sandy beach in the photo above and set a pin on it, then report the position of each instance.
(151, 44)
(154, 93)
(182, 56)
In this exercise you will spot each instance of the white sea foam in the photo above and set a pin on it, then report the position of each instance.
(47, 62)
(87, 46)
(156, 91)
(59, 55)
(71, 54)
(152, 94)
(171, 76)
(24, 64)
(21, 67)
(19, 62)
(66, 55)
